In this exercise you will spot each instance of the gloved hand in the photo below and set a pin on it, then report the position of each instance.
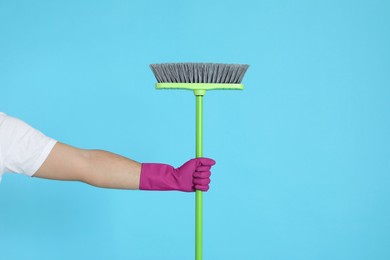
(191, 176)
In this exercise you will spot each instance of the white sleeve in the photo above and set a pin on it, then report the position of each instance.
(23, 149)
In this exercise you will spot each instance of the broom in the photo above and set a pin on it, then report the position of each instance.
(199, 77)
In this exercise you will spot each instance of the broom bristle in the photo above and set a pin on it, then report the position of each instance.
(199, 72)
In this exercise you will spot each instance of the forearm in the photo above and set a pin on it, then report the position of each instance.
(95, 167)
(109, 170)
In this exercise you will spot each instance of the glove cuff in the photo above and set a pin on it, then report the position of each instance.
(156, 176)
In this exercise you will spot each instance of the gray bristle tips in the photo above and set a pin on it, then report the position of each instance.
(199, 72)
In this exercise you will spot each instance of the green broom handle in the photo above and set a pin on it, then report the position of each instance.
(198, 194)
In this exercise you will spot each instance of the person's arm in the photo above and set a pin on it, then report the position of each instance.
(95, 167)
(108, 170)
(26, 150)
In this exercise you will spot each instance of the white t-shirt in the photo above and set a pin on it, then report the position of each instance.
(23, 149)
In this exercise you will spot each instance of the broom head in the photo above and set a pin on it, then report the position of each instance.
(199, 76)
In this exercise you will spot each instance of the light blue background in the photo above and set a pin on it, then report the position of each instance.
(303, 167)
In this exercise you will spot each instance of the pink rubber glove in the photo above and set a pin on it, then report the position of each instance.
(191, 176)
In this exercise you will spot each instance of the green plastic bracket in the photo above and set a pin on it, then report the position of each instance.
(200, 88)
(197, 86)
